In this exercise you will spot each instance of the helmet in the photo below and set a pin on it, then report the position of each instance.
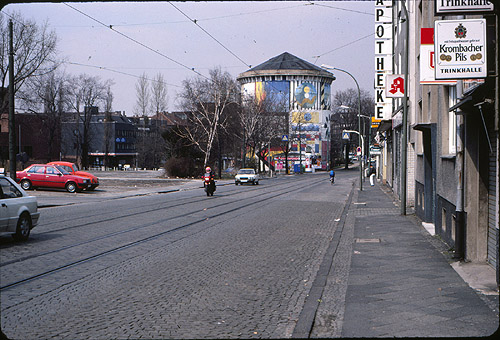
(207, 169)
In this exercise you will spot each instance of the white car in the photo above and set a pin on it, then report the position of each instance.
(18, 211)
(246, 176)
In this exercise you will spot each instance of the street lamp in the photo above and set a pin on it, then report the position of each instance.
(327, 67)
(366, 141)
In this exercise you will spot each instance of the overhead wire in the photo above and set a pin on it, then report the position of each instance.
(194, 21)
(202, 19)
(340, 8)
(116, 71)
(136, 41)
(345, 45)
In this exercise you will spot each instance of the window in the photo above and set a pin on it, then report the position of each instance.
(37, 170)
(8, 190)
(452, 121)
(52, 171)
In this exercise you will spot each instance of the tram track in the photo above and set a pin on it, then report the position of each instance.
(256, 200)
(141, 212)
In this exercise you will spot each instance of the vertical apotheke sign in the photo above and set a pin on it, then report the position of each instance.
(460, 49)
(383, 57)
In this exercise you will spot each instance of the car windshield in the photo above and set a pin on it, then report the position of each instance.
(246, 172)
(60, 168)
(75, 167)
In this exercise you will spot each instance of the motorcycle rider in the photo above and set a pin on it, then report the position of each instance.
(209, 173)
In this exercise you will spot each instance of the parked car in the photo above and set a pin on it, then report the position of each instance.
(18, 211)
(246, 176)
(50, 176)
(72, 168)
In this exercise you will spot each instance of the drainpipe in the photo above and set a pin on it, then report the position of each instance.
(404, 142)
(459, 213)
(460, 165)
(497, 115)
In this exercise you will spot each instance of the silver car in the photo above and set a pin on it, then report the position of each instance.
(18, 211)
(246, 176)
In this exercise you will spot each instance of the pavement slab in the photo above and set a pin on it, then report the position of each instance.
(403, 285)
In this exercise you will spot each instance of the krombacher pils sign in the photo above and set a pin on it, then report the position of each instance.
(460, 49)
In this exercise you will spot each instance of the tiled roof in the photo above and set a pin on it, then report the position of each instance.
(286, 61)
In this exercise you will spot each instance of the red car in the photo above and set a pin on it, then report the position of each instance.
(50, 176)
(72, 168)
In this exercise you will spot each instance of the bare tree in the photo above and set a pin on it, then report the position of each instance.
(47, 96)
(143, 96)
(207, 101)
(345, 117)
(249, 116)
(34, 50)
(264, 121)
(86, 93)
(159, 99)
(108, 121)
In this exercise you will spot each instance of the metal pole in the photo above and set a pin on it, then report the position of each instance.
(12, 122)
(404, 143)
(359, 120)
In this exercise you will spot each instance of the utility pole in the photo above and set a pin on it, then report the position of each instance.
(12, 122)
(460, 167)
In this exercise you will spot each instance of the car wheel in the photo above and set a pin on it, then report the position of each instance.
(71, 187)
(25, 184)
(23, 228)
(257, 183)
(236, 183)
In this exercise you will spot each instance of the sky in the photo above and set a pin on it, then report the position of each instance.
(173, 38)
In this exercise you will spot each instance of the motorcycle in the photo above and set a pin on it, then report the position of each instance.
(209, 184)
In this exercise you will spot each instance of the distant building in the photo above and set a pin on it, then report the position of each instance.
(112, 139)
(32, 137)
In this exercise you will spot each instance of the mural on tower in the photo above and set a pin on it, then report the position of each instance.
(306, 95)
(277, 91)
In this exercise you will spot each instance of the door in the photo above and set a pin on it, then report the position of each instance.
(36, 175)
(10, 202)
(4, 217)
(54, 177)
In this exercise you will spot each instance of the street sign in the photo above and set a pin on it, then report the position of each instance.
(358, 150)
(284, 138)
(345, 135)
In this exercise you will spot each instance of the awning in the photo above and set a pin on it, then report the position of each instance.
(422, 126)
(385, 125)
(473, 95)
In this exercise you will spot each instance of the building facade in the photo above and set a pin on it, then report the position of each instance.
(452, 120)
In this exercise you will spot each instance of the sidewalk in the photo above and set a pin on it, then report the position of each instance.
(401, 282)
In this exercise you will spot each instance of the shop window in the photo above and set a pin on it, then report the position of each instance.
(452, 121)
(443, 221)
